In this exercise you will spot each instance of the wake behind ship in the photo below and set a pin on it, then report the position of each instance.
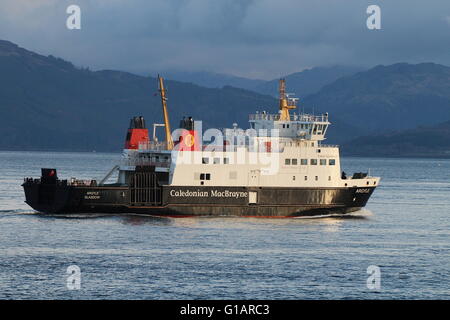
(279, 167)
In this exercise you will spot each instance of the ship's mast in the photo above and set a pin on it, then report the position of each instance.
(285, 103)
(162, 92)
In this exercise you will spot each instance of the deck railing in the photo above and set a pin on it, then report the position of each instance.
(153, 145)
(304, 117)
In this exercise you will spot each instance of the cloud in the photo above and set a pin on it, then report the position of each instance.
(256, 38)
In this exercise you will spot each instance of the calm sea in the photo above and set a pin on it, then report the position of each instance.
(404, 231)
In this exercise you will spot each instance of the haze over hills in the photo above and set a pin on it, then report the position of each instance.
(308, 81)
(213, 80)
(301, 83)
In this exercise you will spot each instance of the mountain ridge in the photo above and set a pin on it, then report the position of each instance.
(46, 103)
(399, 96)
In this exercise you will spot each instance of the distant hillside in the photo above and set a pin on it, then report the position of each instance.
(433, 141)
(47, 103)
(386, 98)
(308, 81)
(214, 80)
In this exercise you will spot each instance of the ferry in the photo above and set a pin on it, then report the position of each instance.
(278, 167)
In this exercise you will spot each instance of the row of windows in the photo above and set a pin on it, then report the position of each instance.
(154, 158)
(313, 162)
(207, 176)
(216, 161)
(315, 178)
(316, 128)
(294, 162)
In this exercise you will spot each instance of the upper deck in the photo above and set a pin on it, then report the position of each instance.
(296, 126)
(301, 126)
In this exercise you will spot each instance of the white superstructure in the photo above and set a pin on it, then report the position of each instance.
(278, 150)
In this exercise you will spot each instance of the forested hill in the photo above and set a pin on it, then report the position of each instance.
(48, 103)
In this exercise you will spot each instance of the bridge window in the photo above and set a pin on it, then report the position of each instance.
(313, 162)
(319, 129)
(304, 162)
(332, 162)
(323, 162)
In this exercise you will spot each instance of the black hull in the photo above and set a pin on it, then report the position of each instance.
(194, 201)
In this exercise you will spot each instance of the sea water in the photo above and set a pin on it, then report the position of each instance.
(403, 234)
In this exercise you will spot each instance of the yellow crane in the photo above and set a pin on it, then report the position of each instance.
(286, 104)
(162, 92)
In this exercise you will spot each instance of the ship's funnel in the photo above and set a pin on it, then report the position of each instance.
(137, 133)
(189, 140)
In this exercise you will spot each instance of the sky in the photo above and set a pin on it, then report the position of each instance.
(261, 39)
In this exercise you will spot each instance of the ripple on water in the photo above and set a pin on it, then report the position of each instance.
(403, 230)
